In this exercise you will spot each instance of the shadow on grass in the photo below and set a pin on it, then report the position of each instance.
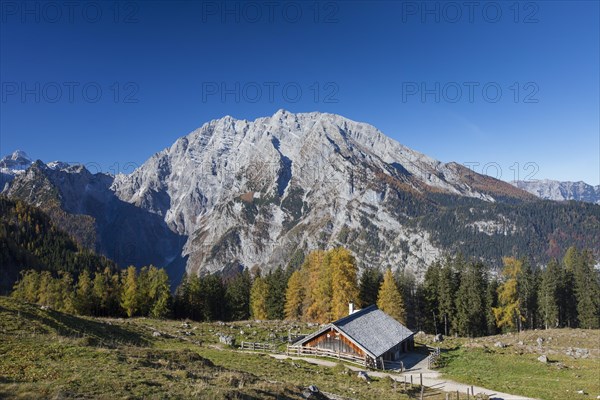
(447, 356)
(70, 326)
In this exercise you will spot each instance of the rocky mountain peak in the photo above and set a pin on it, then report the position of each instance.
(18, 160)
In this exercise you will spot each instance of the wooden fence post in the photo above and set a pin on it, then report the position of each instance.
(457, 395)
(421, 379)
(422, 392)
(411, 382)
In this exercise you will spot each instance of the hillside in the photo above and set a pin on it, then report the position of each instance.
(509, 362)
(85, 207)
(48, 354)
(29, 239)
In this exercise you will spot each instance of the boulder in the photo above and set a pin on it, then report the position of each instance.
(227, 340)
(543, 358)
(312, 392)
(156, 334)
(582, 353)
(364, 376)
(438, 338)
(540, 341)
(500, 345)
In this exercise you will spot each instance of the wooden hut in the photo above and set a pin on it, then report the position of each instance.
(368, 335)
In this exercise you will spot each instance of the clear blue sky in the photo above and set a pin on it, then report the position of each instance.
(369, 60)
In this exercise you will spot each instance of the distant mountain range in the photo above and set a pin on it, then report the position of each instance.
(561, 191)
(235, 193)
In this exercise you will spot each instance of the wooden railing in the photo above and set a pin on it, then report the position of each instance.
(314, 351)
(268, 347)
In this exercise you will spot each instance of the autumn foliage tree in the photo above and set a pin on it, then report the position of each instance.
(258, 298)
(344, 282)
(129, 295)
(322, 288)
(389, 299)
(294, 296)
(318, 299)
(508, 313)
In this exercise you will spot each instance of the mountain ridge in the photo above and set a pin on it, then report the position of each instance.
(550, 189)
(243, 193)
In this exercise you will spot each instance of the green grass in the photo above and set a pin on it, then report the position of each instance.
(515, 370)
(47, 354)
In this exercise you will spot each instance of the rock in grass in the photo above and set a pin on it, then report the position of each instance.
(500, 345)
(364, 376)
(543, 358)
(312, 392)
(227, 340)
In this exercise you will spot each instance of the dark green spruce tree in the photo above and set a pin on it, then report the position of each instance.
(431, 284)
(470, 301)
(587, 291)
(528, 283)
(549, 300)
(237, 296)
(369, 284)
(277, 283)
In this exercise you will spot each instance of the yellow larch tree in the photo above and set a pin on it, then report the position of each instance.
(508, 313)
(389, 299)
(344, 282)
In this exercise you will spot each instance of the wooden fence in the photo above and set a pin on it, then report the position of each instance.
(268, 347)
(314, 351)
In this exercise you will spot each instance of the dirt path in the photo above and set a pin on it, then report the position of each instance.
(430, 378)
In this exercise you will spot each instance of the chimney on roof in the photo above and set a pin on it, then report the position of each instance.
(351, 308)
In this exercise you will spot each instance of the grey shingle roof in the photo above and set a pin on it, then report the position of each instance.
(373, 329)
